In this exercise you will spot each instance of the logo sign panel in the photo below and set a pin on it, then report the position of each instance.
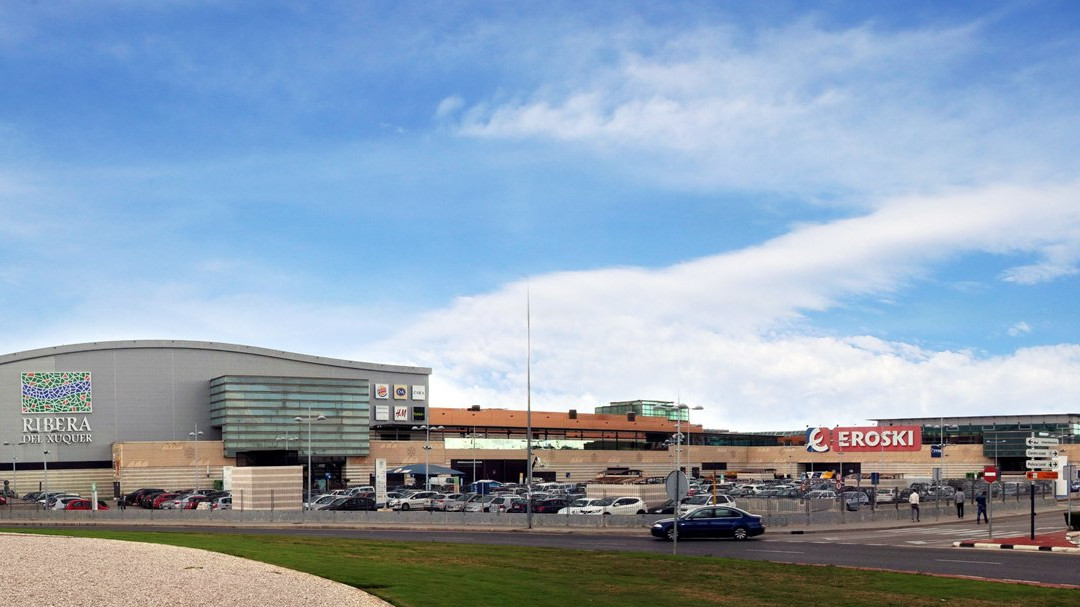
(419, 392)
(56, 393)
(401, 392)
(382, 390)
(401, 414)
(864, 438)
(382, 413)
(52, 402)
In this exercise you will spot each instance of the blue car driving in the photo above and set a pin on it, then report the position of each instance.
(711, 521)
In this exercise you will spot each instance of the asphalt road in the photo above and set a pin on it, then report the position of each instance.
(925, 549)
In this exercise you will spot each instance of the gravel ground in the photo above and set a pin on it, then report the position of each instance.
(50, 571)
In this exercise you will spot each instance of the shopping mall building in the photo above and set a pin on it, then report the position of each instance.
(176, 414)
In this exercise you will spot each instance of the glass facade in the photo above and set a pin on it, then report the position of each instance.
(258, 414)
(647, 408)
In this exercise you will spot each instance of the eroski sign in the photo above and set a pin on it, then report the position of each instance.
(865, 438)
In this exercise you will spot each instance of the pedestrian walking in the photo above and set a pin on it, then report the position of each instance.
(959, 499)
(913, 499)
(980, 508)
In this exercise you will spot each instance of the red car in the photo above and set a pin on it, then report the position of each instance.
(85, 505)
(161, 498)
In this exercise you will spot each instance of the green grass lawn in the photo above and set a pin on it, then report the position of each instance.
(420, 574)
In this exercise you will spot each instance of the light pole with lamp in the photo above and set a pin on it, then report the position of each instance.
(309, 419)
(427, 450)
(195, 434)
(287, 438)
(45, 467)
(678, 408)
(14, 472)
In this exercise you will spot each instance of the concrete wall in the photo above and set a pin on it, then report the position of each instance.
(268, 488)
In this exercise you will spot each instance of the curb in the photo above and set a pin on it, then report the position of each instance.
(1028, 547)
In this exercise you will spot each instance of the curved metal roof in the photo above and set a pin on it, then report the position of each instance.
(205, 345)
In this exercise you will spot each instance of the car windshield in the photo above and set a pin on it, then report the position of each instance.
(606, 502)
(580, 503)
(698, 500)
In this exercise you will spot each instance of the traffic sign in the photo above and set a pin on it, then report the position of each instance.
(990, 474)
(1041, 476)
(1034, 441)
(1038, 464)
(1041, 453)
(677, 486)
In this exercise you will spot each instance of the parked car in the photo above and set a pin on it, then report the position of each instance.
(885, 496)
(853, 500)
(221, 503)
(617, 505)
(84, 504)
(132, 499)
(160, 498)
(503, 503)
(420, 500)
(458, 504)
(352, 503)
(441, 502)
(668, 507)
(57, 502)
(704, 499)
(478, 503)
(551, 505)
(146, 500)
(711, 521)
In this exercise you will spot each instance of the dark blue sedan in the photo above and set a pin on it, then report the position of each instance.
(711, 521)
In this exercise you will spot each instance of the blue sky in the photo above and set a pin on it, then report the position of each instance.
(789, 213)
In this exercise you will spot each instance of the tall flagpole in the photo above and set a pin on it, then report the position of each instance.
(528, 404)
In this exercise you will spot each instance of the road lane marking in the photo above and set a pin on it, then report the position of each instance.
(778, 551)
(975, 562)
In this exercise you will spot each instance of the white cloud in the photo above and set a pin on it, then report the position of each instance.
(725, 331)
(793, 107)
(1020, 328)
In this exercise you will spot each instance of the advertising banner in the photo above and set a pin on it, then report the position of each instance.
(864, 438)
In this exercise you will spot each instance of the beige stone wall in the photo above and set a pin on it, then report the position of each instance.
(169, 464)
(268, 488)
(174, 465)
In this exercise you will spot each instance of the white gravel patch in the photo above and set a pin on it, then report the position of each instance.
(47, 570)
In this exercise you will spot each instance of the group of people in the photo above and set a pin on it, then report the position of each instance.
(958, 499)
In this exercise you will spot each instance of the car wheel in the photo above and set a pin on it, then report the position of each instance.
(641, 512)
(740, 533)
(670, 534)
(404, 506)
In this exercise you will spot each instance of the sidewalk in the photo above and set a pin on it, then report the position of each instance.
(1043, 542)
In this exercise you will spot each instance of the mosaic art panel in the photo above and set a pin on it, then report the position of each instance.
(56, 393)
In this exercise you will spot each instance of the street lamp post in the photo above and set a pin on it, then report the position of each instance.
(427, 450)
(309, 419)
(678, 408)
(14, 472)
(287, 438)
(45, 467)
(195, 434)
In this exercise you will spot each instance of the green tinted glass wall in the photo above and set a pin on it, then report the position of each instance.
(258, 413)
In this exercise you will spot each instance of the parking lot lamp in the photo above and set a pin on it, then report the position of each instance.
(427, 450)
(195, 434)
(45, 467)
(14, 472)
(309, 419)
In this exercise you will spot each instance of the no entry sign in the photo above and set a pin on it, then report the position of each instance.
(990, 474)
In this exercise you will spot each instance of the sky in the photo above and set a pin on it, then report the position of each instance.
(789, 214)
